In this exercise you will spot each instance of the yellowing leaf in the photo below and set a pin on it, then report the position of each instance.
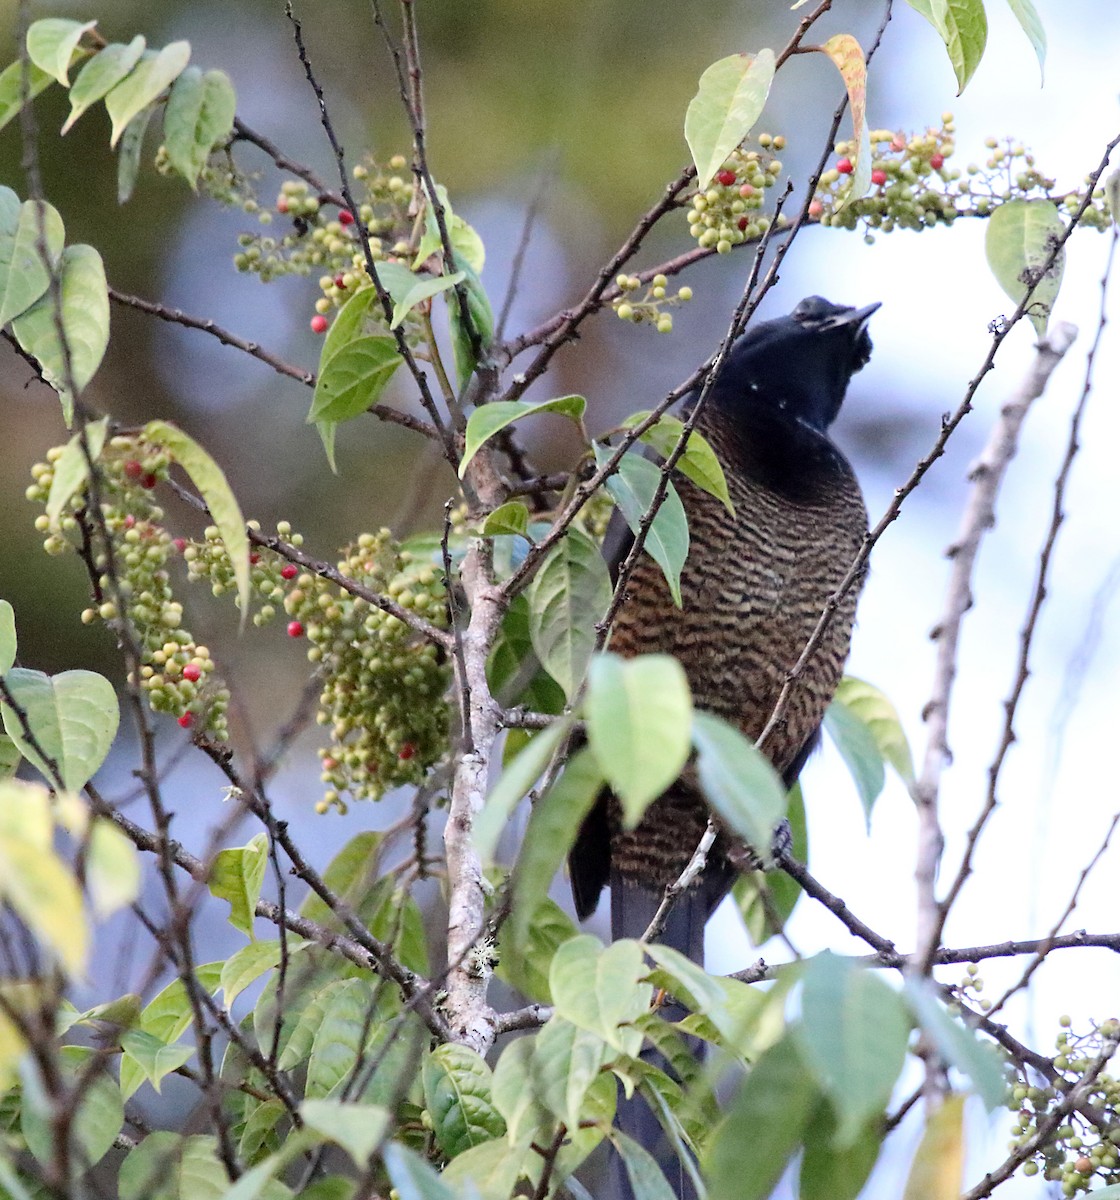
(44, 894)
(936, 1171)
(847, 54)
(112, 868)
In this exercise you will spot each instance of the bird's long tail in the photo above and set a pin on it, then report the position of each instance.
(632, 909)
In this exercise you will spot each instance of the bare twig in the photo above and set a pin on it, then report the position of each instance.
(987, 475)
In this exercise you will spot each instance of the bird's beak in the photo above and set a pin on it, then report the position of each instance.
(856, 316)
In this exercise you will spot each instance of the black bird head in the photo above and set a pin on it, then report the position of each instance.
(800, 364)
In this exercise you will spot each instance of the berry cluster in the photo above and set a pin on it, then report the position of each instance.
(222, 180)
(914, 187)
(649, 307)
(727, 212)
(175, 672)
(318, 241)
(383, 696)
(1086, 1148)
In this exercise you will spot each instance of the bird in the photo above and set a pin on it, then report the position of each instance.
(752, 588)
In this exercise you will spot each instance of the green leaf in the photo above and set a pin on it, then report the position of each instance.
(94, 1126)
(249, 964)
(738, 781)
(847, 54)
(1020, 238)
(749, 1151)
(72, 470)
(354, 378)
(225, 512)
(489, 1171)
(881, 717)
(51, 44)
(168, 1166)
(7, 636)
(169, 1013)
(112, 868)
(131, 149)
(698, 462)
(832, 1172)
(570, 592)
(85, 322)
(602, 990)
(553, 825)
(509, 518)
(633, 488)
(338, 1040)
(959, 1045)
(11, 88)
(357, 1128)
(693, 986)
(351, 876)
(486, 421)
(639, 723)
(1027, 16)
(527, 968)
(199, 115)
(512, 785)
(411, 1175)
(424, 287)
(861, 754)
(766, 899)
(457, 1095)
(939, 1161)
(154, 72)
(853, 1035)
(399, 922)
(101, 74)
(10, 757)
(24, 277)
(155, 1059)
(566, 1062)
(514, 1093)
(646, 1179)
(482, 321)
(729, 100)
(73, 716)
(963, 26)
(236, 877)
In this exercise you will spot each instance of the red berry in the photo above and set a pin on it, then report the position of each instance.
(937, 161)
(318, 323)
(289, 571)
(878, 177)
(186, 720)
(193, 672)
(345, 217)
(148, 481)
(743, 222)
(815, 209)
(844, 166)
(295, 629)
(180, 544)
(727, 178)
(282, 204)
(340, 281)
(898, 142)
(129, 521)
(406, 751)
(747, 189)
(133, 469)
(254, 559)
